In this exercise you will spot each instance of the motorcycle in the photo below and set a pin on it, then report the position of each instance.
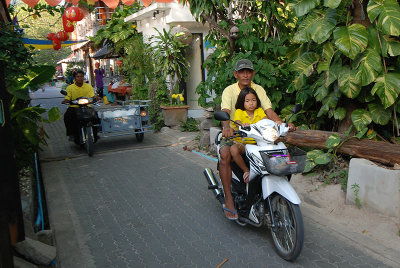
(86, 117)
(268, 199)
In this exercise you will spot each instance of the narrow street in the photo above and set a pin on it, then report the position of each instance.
(147, 205)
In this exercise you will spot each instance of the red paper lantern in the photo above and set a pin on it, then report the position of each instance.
(72, 13)
(111, 3)
(56, 43)
(81, 15)
(67, 24)
(119, 63)
(53, 3)
(31, 3)
(128, 2)
(62, 36)
(50, 36)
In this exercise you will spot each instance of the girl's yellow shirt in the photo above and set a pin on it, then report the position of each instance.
(243, 117)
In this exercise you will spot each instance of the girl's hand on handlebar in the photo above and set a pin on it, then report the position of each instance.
(292, 127)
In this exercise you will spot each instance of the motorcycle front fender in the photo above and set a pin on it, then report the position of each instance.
(280, 185)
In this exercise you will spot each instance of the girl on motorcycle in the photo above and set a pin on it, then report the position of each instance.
(248, 111)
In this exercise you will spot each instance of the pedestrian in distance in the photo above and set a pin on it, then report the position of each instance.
(99, 74)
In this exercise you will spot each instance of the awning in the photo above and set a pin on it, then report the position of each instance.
(105, 52)
(48, 44)
(81, 45)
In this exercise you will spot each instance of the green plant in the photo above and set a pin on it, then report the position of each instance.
(348, 52)
(191, 125)
(21, 77)
(169, 58)
(158, 94)
(356, 188)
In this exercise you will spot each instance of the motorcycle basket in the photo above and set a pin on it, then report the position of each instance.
(284, 162)
(85, 114)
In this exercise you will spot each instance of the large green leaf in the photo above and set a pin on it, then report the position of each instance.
(387, 88)
(333, 72)
(332, 3)
(332, 141)
(323, 159)
(351, 40)
(360, 118)
(369, 66)
(378, 114)
(302, 7)
(389, 15)
(303, 33)
(327, 55)
(38, 75)
(392, 45)
(305, 63)
(322, 27)
(340, 113)
(348, 82)
(53, 114)
(321, 93)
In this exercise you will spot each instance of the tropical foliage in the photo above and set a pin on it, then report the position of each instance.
(169, 58)
(21, 77)
(346, 57)
(265, 29)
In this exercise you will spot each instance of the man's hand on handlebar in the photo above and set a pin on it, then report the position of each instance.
(227, 132)
(292, 127)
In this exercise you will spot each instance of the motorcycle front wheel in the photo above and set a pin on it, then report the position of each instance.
(288, 236)
(89, 141)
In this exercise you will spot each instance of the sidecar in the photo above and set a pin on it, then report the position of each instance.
(127, 118)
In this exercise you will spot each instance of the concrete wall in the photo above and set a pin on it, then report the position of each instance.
(379, 188)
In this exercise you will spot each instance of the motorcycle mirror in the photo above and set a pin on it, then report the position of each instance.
(297, 108)
(62, 91)
(221, 116)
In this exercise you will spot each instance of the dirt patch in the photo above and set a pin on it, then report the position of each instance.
(329, 201)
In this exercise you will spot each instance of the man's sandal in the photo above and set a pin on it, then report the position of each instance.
(234, 213)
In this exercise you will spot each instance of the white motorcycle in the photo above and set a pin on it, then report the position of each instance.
(268, 199)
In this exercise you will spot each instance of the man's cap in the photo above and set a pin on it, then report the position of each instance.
(244, 64)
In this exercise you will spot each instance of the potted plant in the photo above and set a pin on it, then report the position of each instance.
(171, 64)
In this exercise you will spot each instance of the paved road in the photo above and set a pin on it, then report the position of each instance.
(144, 205)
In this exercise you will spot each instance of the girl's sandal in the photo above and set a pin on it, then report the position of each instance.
(246, 176)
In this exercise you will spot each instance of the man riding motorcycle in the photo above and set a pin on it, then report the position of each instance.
(77, 90)
(244, 73)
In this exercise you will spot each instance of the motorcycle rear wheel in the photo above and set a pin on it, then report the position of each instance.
(288, 236)
(89, 141)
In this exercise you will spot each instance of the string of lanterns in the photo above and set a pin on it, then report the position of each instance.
(110, 3)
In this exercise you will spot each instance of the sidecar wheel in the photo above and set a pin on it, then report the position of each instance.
(288, 236)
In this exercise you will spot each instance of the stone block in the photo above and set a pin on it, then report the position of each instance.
(21, 263)
(379, 188)
(206, 124)
(35, 251)
(213, 133)
(204, 138)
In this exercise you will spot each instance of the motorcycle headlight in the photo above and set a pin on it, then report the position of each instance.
(83, 101)
(270, 134)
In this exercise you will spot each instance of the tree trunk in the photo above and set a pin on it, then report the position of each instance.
(382, 152)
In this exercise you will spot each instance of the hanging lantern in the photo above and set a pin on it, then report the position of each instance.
(183, 35)
(31, 3)
(72, 13)
(119, 63)
(81, 15)
(53, 3)
(111, 3)
(146, 3)
(74, 2)
(62, 36)
(50, 36)
(67, 24)
(128, 2)
(56, 43)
